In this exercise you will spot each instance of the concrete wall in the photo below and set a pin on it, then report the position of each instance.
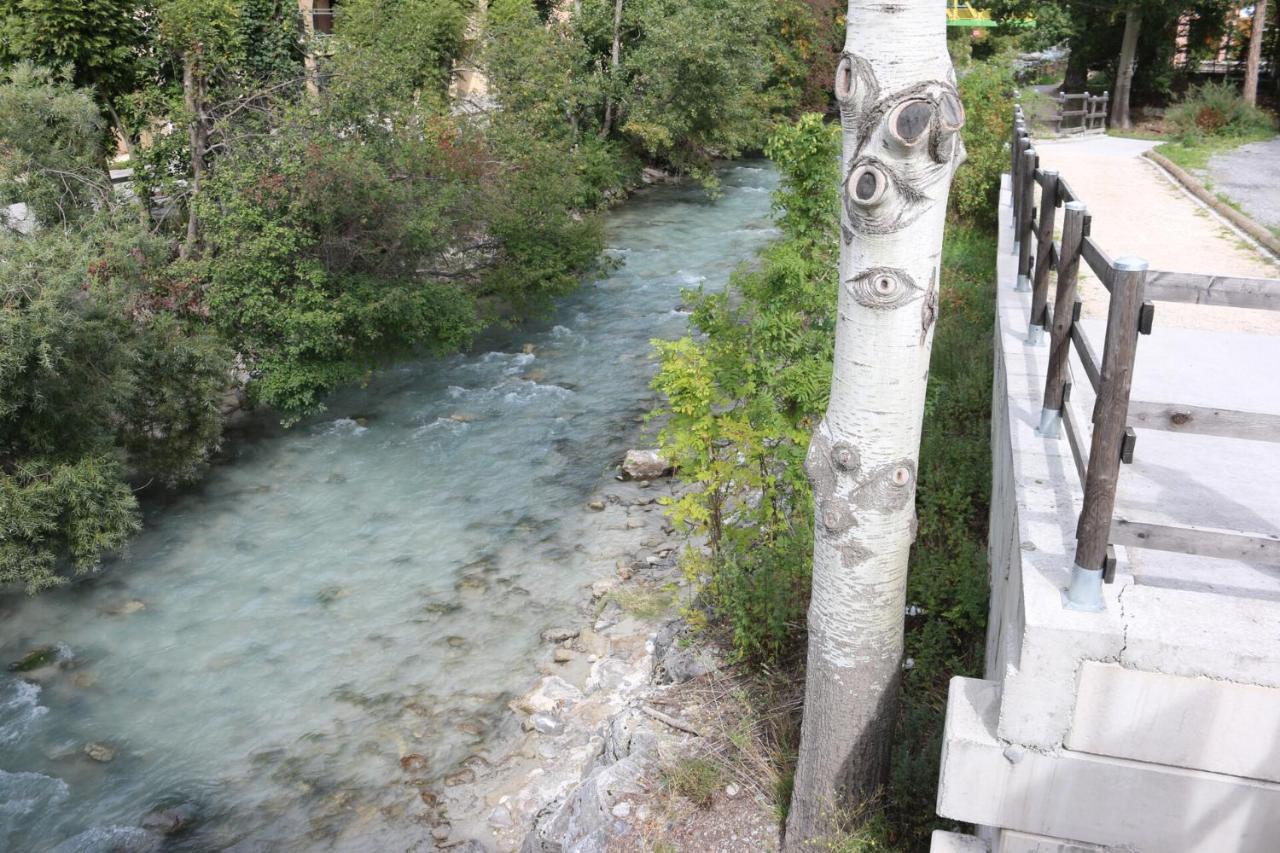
(1151, 726)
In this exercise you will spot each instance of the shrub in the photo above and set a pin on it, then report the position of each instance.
(987, 94)
(742, 400)
(1216, 110)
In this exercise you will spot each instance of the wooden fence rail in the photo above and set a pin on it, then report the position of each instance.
(1102, 446)
(1081, 113)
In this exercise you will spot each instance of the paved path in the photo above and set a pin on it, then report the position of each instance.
(1137, 210)
(1250, 177)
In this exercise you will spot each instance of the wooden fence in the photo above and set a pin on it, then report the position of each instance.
(1133, 289)
(1082, 113)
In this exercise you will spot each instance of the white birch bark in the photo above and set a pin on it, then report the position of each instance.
(900, 115)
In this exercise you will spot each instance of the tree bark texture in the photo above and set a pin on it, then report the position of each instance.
(198, 137)
(900, 116)
(615, 59)
(1254, 58)
(1124, 73)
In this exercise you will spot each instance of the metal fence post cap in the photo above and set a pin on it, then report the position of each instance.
(1076, 205)
(1131, 263)
(1049, 173)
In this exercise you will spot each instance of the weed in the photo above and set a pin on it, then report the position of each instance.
(695, 779)
(645, 602)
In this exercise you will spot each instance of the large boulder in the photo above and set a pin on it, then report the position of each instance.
(645, 465)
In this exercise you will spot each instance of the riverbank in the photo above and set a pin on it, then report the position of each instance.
(367, 586)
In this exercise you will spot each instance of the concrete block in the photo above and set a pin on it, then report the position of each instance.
(1021, 842)
(1196, 723)
(954, 842)
(1093, 799)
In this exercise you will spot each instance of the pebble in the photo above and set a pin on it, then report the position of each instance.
(500, 818)
(465, 776)
(635, 523)
(99, 752)
(413, 762)
(596, 505)
(562, 656)
(622, 809)
(559, 635)
(731, 790)
(442, 832)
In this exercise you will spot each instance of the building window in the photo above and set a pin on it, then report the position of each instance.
(322, 16)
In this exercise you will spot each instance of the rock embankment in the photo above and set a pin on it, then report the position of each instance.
(589, 732)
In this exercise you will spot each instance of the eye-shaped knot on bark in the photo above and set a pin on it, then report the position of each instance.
(878, 200)
(856, 88)
(929, 310)
(923, 117)
(835, 515)
(888, 488)
(845, 457)
(883, 288)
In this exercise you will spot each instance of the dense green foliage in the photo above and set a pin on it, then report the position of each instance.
(308, 208)
(1093, 30)
(986, 91)
(743, 398)
(50, 146)
(104, 376)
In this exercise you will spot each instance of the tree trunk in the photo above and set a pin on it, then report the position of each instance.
(1124, 73)
(198, 137)
(1255, 52)
(615, 59)
(1076, 77)
(900, 115)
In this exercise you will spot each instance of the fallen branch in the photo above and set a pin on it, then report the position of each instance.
(679, 725)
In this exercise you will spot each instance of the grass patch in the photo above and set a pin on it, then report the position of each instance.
(646, 602)
(1194, 153)
(695, 779)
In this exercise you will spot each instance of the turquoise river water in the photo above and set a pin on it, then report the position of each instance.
(368, 583)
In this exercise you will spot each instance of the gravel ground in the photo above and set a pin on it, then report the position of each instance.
(1138, 211)
(1250, 177)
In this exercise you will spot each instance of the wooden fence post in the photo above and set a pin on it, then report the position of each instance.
(1026, 201)
(1109, 421)
(1074, 218)
(1020, 143)
(1044, 247)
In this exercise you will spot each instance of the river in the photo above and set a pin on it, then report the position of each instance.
(369, 583)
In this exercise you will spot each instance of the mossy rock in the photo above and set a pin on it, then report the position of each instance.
(35, 659)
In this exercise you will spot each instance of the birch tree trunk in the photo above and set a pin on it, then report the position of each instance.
(901, 115)
(1124, 74)
(1255, 52)
(615, 59)
(198, 140)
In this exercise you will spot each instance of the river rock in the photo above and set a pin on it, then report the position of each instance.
(559, 635)
(465, 776)
(607, 674)
(562, 656)
(414, 762)
(170, 820)
(596, 505)
(601, 588)
(99, 752)
(500, 818)
(37, 658)
(552, 695)
(645, 465)
(543, 723)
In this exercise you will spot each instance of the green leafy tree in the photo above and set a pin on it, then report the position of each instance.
(105, 378)
(102, 43)
(51, 155)
(743, 397)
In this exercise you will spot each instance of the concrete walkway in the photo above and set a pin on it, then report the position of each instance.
(1137, 210)
(1250, 177)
